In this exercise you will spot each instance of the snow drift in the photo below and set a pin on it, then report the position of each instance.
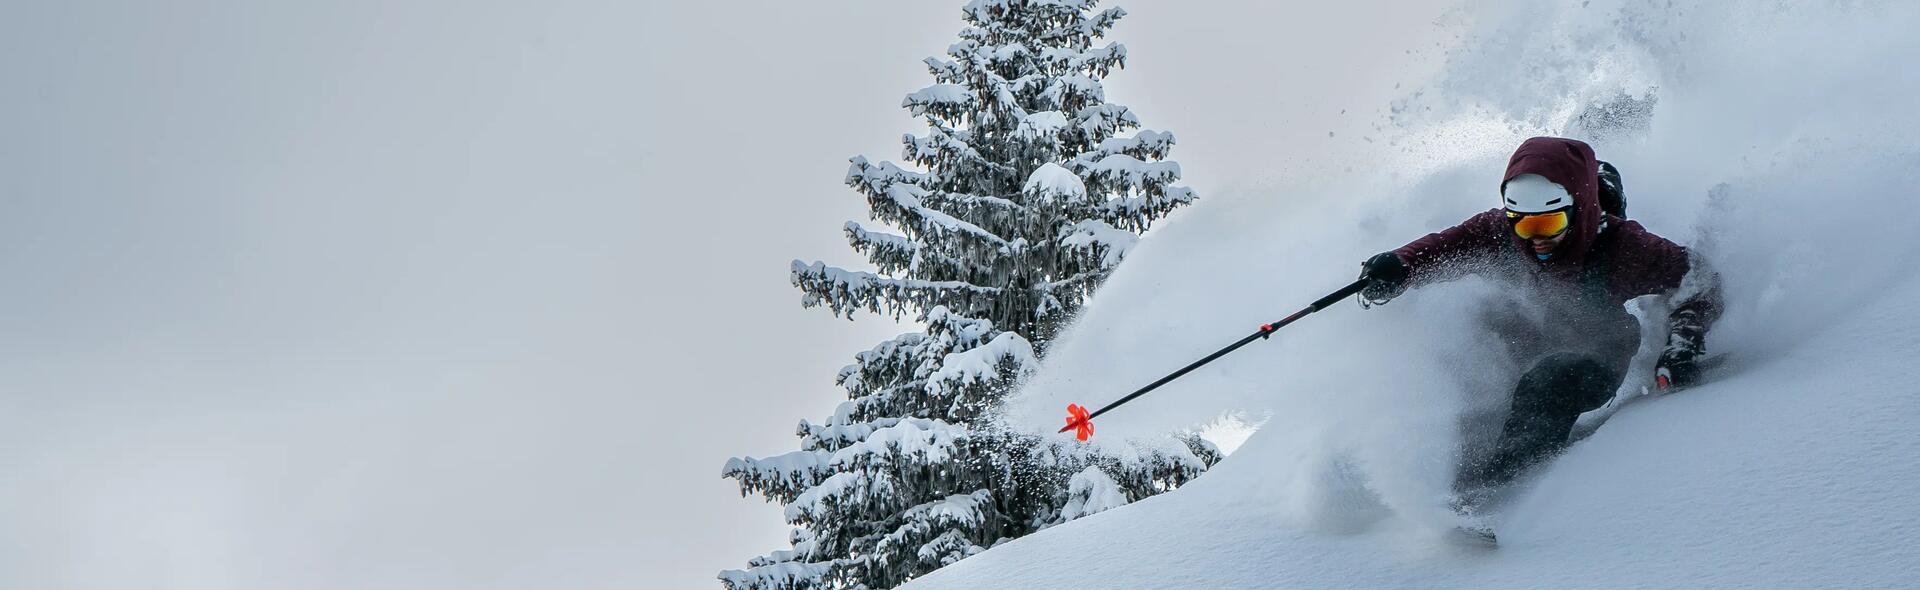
(1779, 141)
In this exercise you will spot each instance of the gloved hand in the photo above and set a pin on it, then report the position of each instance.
(1386, 278)
(1676, 369)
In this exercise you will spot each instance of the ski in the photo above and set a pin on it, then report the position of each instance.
(1475, 536)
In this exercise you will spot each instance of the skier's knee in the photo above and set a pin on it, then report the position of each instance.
(1566, 363)
(1570, 379)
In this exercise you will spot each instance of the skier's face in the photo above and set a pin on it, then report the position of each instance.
(1546, 245)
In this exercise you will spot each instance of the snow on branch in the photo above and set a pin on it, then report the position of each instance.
(949, 101)
(1080, 89)
(890, 379)
(902, 204)
(1043, 92)
(1144, 145)
(846, 491)
(802, 550)
(1121, 172)
(895, 254)
(975, 378)
(1054, 183)
(945, 70)
(1103, 120)
(888, 364)
(787, 575)
(923, 441)
(1090, 491)
(862, 171)
(779, 478)
(942, 146)
(957, 331)
(1044, 126)
(845, 292)
(833, 437)
(942, 531)
(1137, 211)
(1007, 55)
(949, 547)
(866, 481)
(974, 203)
(1103, 60)
(1095, 239)
(891, 253)
(992, 11)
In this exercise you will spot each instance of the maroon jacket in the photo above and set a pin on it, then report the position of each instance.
(1603, 263)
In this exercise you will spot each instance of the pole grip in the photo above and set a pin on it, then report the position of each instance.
(1343, 293)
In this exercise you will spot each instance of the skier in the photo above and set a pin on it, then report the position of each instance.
(1554, 242)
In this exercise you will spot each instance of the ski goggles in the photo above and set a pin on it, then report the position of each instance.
(1538, 225)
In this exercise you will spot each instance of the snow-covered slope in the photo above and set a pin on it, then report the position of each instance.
(1796, 473)
(1777, 140)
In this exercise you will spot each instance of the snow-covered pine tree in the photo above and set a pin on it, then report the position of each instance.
(1023, 196)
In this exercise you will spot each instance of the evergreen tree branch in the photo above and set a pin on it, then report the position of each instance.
(845, 292)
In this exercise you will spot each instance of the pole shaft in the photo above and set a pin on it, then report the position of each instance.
(1263, 332)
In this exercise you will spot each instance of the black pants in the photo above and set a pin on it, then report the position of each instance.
(1546, 403)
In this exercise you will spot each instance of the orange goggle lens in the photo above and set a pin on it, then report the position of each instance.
(1538, 225)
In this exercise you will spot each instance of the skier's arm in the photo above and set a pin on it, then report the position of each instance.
(1426, 259)
(1656, 265)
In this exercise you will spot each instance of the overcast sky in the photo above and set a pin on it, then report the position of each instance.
(443, 294)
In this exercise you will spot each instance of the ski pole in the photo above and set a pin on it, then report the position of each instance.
(1081, 422)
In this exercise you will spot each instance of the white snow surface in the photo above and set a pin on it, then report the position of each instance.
(1776, 128)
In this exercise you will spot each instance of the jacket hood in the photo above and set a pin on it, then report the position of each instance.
(1571, 164)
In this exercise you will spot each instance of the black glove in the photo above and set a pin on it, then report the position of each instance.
(1386, 278)
(1685, 341)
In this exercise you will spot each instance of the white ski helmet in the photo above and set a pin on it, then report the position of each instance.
(1533, 193)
